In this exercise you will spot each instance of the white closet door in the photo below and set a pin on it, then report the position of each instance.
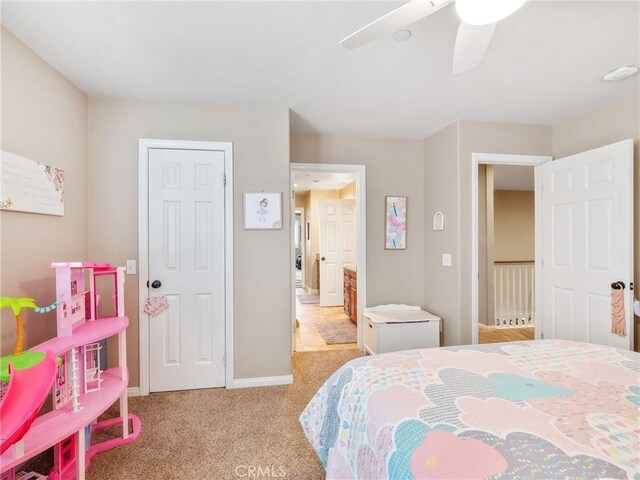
(186, 259)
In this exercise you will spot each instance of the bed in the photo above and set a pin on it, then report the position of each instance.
(542, 409)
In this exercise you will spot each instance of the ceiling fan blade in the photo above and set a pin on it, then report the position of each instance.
(471, 44)
(394, 21)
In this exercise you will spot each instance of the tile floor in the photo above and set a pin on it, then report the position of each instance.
(308, 339)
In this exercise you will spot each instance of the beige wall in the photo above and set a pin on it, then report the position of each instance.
(441, 170)
(448, 189)
(301, 199)
(605, 125)
(348, 192)
(514, 226)
(394, 167)
(262, 259)
(44, 118)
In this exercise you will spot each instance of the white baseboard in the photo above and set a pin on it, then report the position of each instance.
(262, 381)
(133, 392)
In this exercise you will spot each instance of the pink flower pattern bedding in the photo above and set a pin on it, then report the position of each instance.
(542, 410)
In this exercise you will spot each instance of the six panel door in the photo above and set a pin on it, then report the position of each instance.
(186, 255)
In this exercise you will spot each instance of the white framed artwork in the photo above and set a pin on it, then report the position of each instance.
(30, 186)
(263, 211)
(395, 223)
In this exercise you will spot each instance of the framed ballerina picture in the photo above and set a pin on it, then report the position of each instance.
(263, 211)
(395, 223)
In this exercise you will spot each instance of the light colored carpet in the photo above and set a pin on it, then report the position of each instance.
(338, 332)
(307, 299)
(207, 434)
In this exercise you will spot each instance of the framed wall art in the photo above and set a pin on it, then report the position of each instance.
(395, 223)
(263, 211)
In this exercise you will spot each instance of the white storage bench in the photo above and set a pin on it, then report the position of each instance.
(391, 328)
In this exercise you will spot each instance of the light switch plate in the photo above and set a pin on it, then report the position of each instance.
(446, 259)
(131, 267)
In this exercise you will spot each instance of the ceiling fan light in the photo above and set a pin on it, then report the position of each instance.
(483, 12)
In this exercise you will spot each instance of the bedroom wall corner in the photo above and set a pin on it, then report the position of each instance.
(442, 284)
(44, 118)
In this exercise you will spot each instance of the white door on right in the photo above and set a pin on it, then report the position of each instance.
(337, 244)
(587, 244)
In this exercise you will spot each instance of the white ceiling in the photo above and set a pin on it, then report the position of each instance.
(513, 177)
(305, 181)
(543, 66)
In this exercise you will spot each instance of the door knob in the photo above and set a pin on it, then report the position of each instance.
(156, 284)
(322, 259)
(618, 285)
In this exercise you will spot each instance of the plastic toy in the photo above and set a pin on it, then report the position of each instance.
(21, 359)
(28, 389)
(83, 388)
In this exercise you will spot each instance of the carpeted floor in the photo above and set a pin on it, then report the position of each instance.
(208, 434)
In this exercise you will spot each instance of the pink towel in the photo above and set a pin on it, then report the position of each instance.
(617, 312)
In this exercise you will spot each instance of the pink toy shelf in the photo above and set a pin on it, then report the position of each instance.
(82, 389)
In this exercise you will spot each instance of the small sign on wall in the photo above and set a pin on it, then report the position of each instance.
(30, 186)
(438, 221)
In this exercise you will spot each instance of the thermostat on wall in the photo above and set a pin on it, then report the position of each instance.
(438, 221)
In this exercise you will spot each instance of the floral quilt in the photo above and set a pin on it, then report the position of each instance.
(543, 409)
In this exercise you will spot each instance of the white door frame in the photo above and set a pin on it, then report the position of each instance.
(361, 209)
(143, 247)
(504, 159)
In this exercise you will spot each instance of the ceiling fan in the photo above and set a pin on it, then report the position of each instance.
(478, 22)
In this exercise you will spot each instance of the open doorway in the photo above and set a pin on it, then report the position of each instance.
(326, 260)
(506, 253)
(505, 247)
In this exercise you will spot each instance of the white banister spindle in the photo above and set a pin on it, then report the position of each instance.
(514, 294)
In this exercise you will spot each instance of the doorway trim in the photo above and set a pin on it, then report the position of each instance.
(504, 159)
(361, 209)
(143, 247)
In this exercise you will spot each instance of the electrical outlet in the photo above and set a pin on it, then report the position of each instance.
(131, 267)
(446, 259)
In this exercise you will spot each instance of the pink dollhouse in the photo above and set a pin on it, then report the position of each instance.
(83, 388)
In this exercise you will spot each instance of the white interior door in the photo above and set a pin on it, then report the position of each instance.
(337, 247)
(186, 256)
(587, 218)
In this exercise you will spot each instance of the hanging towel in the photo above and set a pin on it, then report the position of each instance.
(617, 312)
